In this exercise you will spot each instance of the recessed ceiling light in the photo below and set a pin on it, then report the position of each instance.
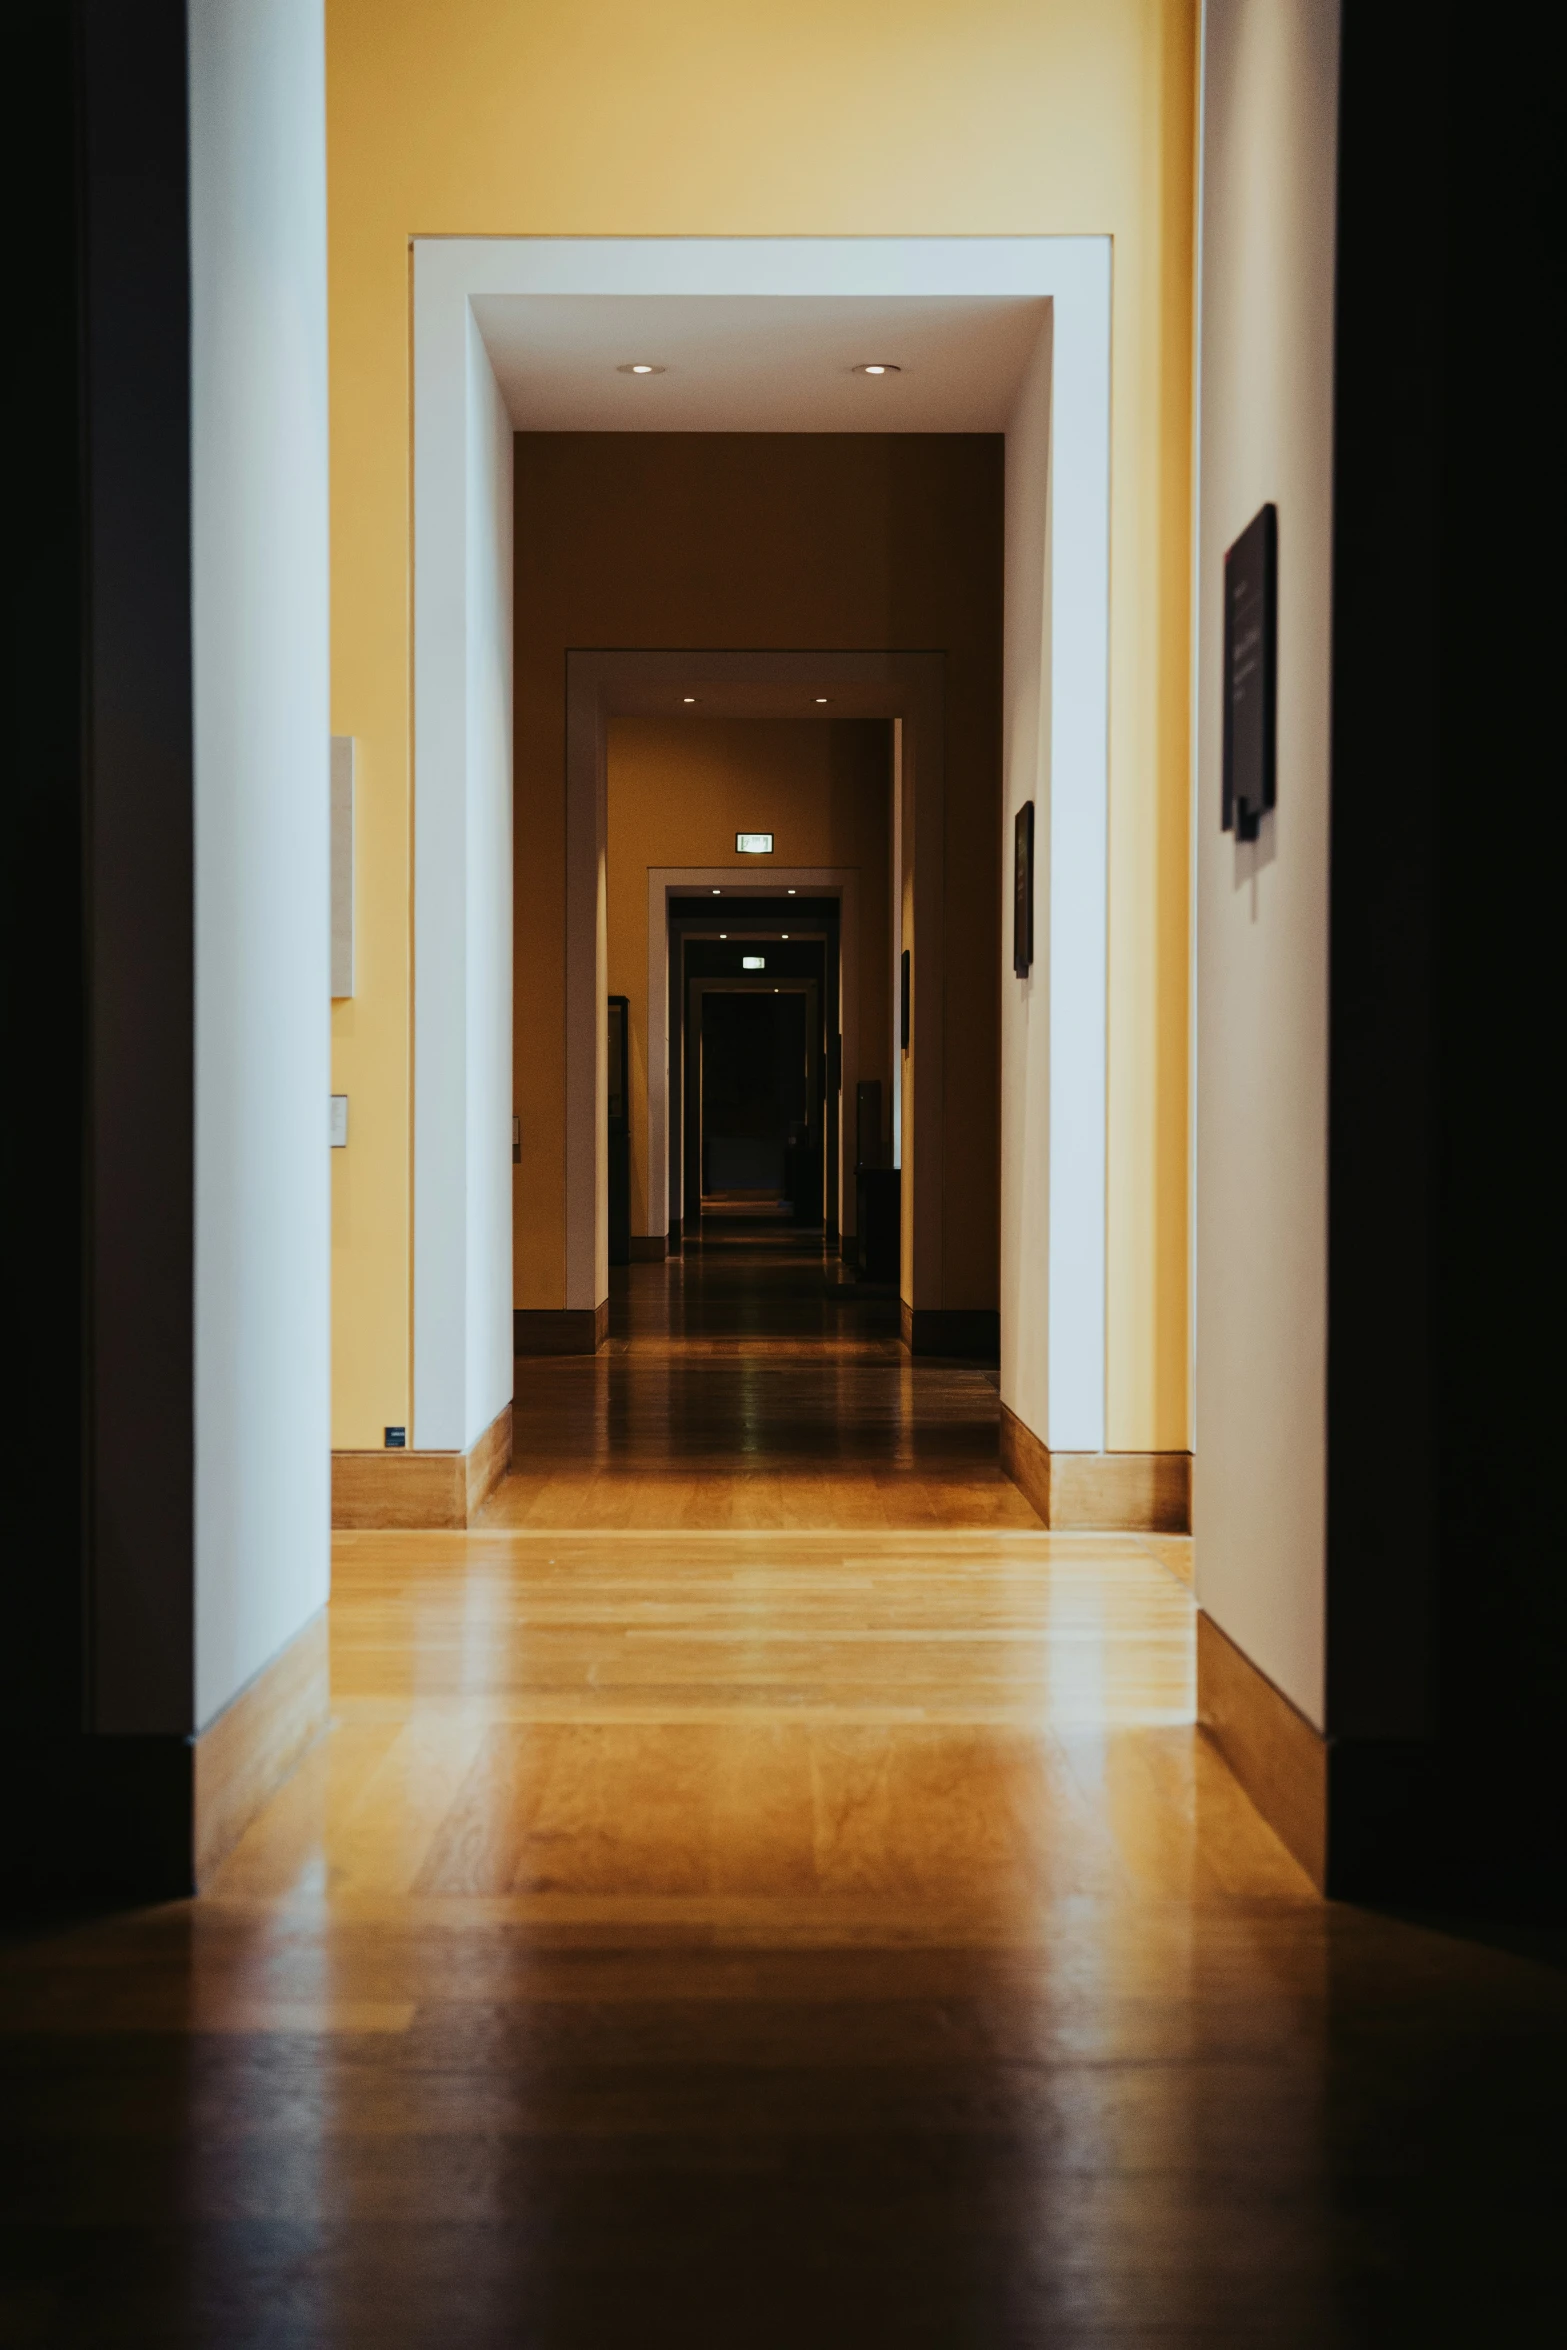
(639, 367)
(718, 893)
(791, 893)
(821, 698)
(688, 697)
(723, 934)
(783, 933)
(876, 367)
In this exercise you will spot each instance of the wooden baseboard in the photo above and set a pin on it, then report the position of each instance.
(243, 1757)
(572, 1330)
(1277, 1755)
(485, 1463)
(649, 1248)
(399, 1489)
(1027, 1462)
(417, 1488)
(968, 1334)
(1109, 1492)
(1122, 1492)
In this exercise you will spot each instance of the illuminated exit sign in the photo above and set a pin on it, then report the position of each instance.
(754, 844)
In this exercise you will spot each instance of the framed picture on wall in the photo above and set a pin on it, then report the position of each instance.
(1251, 571)
(1023, 890)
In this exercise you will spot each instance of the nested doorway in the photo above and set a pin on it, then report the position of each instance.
(754, 1094)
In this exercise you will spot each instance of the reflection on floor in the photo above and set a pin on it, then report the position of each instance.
(743, 1930)
(744, 1385)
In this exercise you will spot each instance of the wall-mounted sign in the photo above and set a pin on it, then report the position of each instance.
(754, 844)
(1250, 668)
(1023, 890)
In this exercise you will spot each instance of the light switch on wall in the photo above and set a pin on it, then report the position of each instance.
(338, 1127)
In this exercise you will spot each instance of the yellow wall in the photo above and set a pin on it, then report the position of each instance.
(724, 117)
(679, 791)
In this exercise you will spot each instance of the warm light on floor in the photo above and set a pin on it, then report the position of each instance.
(761, 1887)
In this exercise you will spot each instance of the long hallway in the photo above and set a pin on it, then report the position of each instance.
(759, 1887)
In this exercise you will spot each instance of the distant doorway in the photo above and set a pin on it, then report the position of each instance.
(754, 1096)
(749, 942)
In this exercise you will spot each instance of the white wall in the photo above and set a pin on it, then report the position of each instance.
(1265, 422)
(462, 882)
(1025, 1003)
(487, 1273)
(260, 642)
(895, 935)
(1055, 717)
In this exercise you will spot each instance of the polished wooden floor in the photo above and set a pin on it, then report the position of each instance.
(760, 1888)
(745, 1383)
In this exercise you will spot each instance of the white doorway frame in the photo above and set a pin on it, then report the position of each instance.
(1056, 727)
(904, 688)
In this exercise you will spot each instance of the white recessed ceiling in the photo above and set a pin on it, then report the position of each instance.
(768, 363)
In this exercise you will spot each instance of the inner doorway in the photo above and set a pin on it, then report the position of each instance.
(800, 940)
(756, 1098)
(757, 1027)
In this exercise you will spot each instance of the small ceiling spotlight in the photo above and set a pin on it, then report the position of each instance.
(640, 367)
(876, 367)
(821, 699)
(688, 698)
(718, 893)
(791, 893)
(783, 933)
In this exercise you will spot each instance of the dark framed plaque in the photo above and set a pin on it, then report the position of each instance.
(1251, 570)
(1023, 890)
